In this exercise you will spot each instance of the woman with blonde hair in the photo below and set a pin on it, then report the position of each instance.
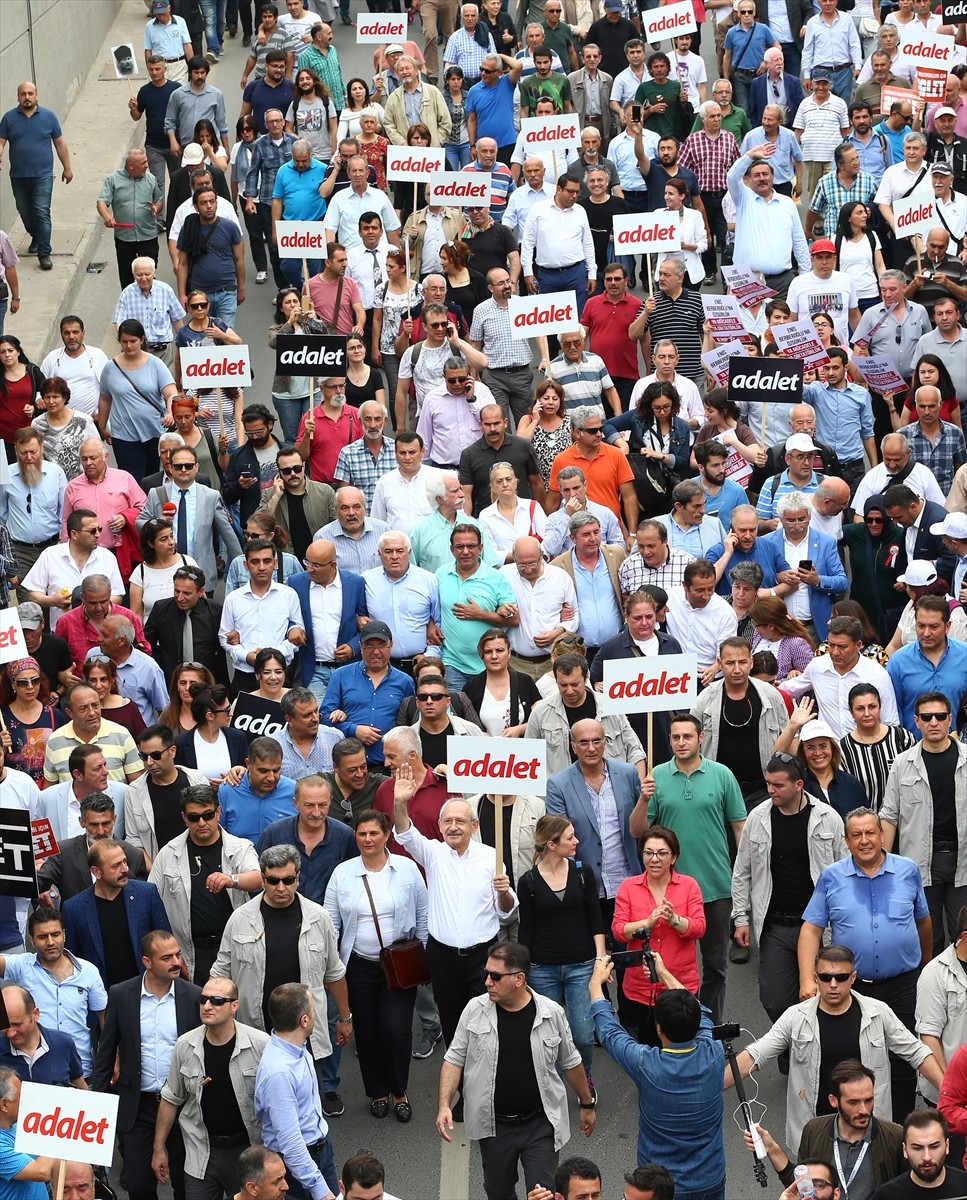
(787, 638)
(510, 517)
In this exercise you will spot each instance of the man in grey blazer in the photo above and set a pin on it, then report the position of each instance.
(591, 94)
(204, 510)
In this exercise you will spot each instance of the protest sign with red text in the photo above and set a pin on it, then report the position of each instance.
(550, 133)
(746, 286)
(647, 233)
(537, 316)
(915, 214)
(380, 27)
(896, 95)
(45, 844)
(12, 644)
(799, 339)
(933, 56)
(300, 239)
(657, 684)
(459, 189)
(880, 373)
(413, 164)
(504, 766)
(61, 1122)
(215, 366)
(668, 22)
(716, 361)
(722, 315)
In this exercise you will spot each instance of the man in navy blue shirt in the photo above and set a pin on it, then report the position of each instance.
(212, 257)
(273, 90)
(37, 1054)
(31, 132)
(152, 104)
(322, 843)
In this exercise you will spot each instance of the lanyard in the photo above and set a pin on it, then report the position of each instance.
(845, 1183)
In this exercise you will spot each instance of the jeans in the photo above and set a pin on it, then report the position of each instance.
(567, 984)
(553, 279)
(457, 157)
(716, 1193)
(137, 458)
(320, 676)
(327, 1069)
(841, 84)
(792, 54)
(224, 305)
(220, 1174)
(265, 220)
(32, 197)
(291, 413)
(291, 269)
(3, 313)
(741, 83)
(456, 679)
(210, 13)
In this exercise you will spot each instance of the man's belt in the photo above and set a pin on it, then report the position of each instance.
(515, 366)
(158, 345)
(226, 1141)
(51, 541)
(786, 920)
(322, 663)
(174, 60)
(569, 267)
(834, 67)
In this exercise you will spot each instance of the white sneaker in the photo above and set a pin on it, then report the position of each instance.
(260, 276)
(212, 57)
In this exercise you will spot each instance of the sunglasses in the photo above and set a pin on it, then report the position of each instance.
(199, 304)
(296, 470)
(93, 529)
(932, 716)
(437, 324)
(100, 659)
(194, 666)
(33, 681)
(275, 880)
(497, 976)
(432, 696)
(206, 815)
(872, 520)
(217, 1001)
(833, 976)
(153, 755)
(183, 466)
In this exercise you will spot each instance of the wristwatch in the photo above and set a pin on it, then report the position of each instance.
(593, 1104)
(347, 1020)
(234, 881)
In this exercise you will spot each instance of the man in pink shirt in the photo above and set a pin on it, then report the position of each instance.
(105, 490)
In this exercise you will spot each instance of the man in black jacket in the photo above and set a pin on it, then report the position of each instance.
(130, 1040)
(251, 467)
(184, 628)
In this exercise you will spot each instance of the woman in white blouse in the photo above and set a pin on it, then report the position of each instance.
(375, 900)
(211, 747)
(509, 517)
(692, 228)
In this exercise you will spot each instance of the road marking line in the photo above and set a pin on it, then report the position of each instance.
(455, 1166)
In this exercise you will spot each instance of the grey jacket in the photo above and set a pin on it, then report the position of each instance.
(908, 806)
(773, 722)
(752, 873)
(942, 1008)
(139, 813)
(548, 721)
(186, 1078)
(576, 80)
(210, 513)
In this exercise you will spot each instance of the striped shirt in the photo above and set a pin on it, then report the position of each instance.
(583, 382)
(822, 127)
(634, 573)
(114, 742)
(871, 763)
(155, 309)
(501, 185)
(710, 158)
(770, 496)
(680, 321)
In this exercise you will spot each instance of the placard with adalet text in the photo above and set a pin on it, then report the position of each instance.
(459, 189)
(765, 381)
(647, 233)
(215, 366)
(62, 1122)
(917, 214)
(309, 355)
(536, 316)
(503, 766)
(551, 132)
(413, 164)
(12, 643)
(380, 27)
(657, 24)
(300, 239)
(659, 683)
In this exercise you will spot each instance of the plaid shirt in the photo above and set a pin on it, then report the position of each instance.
(264, 166)
(155, 309)
(8, 565)
(463, 49)
(356, 467)
(710, 158)
(634, 572)
(942, 457)
(491, 327)
(830, 194)
(327, 67)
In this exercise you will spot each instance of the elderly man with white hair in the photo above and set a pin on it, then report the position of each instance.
(156, 306)
(405, 597)
(430, 537)
(114, 496)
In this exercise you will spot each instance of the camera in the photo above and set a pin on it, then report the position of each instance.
(726, 1033)
(628, 958)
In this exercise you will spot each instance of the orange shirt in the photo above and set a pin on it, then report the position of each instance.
(604, 474)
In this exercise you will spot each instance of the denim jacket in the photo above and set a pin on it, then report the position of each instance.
(406, 886)
(640, 435)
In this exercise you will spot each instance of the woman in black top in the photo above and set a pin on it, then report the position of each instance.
(498, 685)
(562, 927)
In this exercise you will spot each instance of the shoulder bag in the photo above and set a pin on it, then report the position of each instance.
(404, 961)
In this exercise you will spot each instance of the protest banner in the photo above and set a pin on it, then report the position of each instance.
(125, 62)
(537, 316)
(257, 717)
(765, 380)
(649, 685)
(380, 27)
(647, 233)
(799, 339)
(669, 22)
(64, 1123)
(44, 842)
(915, 215)
(18, 874)
(300, 239)
(308, 355)
(722, 315)
(12, 644)
(953, 12)
(551, 132)
(413, 164)
(215, 366)
(717, 361)
(896, 95)
(459, 189)
(746, 286)
(880, 373)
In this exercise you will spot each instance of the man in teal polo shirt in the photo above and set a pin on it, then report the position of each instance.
(694, 797)
(295, 197)
(473, 599)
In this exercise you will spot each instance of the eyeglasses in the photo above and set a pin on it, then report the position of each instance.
(872, 520)
(296, 470)
(183, 466)
(153, 755)
(488, 70)
(275, 880)
(932, 716)
(585, 742)
(219, 712)
(899, 335)
(432, 696)
(194, 818)
(251, 536)
(30, 503)
(311, 562)
(598, 431)
(194, 666)
(331, 387)
(33, 681)
(458, 378)
(437, 324)
(656, 854)
(217, 1001)
(833, 976)
(497, 976)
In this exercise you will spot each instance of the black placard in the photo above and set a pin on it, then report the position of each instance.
(314, 354)
(765, 380)
(953, 12)
(257, 717)
(18, 874)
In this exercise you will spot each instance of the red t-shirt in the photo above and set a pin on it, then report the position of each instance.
(12, 415)
(328, 438)
(607, 326)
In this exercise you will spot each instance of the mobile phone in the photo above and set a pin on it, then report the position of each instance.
(805, 564)
(636, 113)
(628, 958)
(246, 474)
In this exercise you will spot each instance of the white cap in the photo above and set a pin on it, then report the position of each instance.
(193, 155)
(953, 525)
(802, 442)
(816, 729)
(919, 573)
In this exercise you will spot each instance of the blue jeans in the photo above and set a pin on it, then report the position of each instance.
(792, 54)
(3, 313)
(291, 413)
(327, 1069)
(210, 13)
(715, 1193)
(32, 197)
(291, 268)
(223, 305)
(567, 984)
(265, 220)
(457, 157)
(842, 84)
(456, 679)
(319, 682)
(553, 279)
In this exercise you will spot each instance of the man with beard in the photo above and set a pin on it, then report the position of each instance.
(298, 504)
(251, 467)
(326, 429)
(77, 363)
(497, 445)
(925, 1148)
(363, 462)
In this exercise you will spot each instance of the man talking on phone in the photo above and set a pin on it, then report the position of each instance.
(813, 560)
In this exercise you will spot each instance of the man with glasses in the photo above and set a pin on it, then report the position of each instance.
(251, 467)
(673, 312)
(405, 597)
(925, 793)
(202, 875)
(152, 805)
(183, 628)
(508, 376)
(299, 504)
(607, 317)
(813, 588)
(51, 581)
(260, 614)
(422, 362)
(435, 724)
(330, 600)
(218, 1122)
(894, 327)
(609, 479)
(557, 253)
(496, 445)
(269, 151)
(138, 1040)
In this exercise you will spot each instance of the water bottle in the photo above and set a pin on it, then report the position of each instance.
(804, 1184)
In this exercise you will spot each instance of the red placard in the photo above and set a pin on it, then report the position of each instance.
(45, 844)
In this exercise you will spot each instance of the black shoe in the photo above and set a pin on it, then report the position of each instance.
(247, 39)
(403, 1111)
(739, 954)
(332, 1105)
(707, 282)
(45, 263)
(379, 1108)
(32, 248)
(231, 30)
(346, 20)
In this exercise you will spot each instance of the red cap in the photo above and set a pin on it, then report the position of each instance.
(822, 246)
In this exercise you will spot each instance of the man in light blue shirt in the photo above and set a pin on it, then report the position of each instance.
(786, 161)
(287, 1096)
(406, 597)
(933, 663)
(768, 225)
(347, 206)
(533, 191)
(355, 536)
(689, 529)
(31, 504)
(844, 417)
(632, 152)
(139, 677)
(261, 796)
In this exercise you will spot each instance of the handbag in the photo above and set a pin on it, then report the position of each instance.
(653, 482)
(404, 961)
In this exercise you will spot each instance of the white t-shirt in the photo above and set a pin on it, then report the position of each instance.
(495, 713)
(856, 261)
(835, 296)
(83, 375)
(212, 758)
(158, 582)
(429, 369)
(223, 208)
(367, 943)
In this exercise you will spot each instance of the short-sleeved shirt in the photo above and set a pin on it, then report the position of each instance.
(136, 410)
(12, 1162)
(262, 96)
(299, 191)
(30, 138)
(214, 271)
(114, 742)
(494, 110)
(153, 102)
(477, 461)
(553, 86)
(490, 589)
(605, 473)
(664, 124)
(428, 371)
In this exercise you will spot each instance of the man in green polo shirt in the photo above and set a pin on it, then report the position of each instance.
(473, 599)
(694, 797)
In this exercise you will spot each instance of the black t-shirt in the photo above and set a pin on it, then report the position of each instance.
(600, 217)
(903, 1187)
(587, 710)
(940, 770)
(739, 738)
(658, 177)
(490, 247)
(478, 460)
(839, 1039)
(434, 746)
(153, 102)
(219, 1105)
(300, 534)
(53, 656)
(166, 806)
(515, 1086)
(282, 929)
(209, 910)
(119, 960)
(792, 885)
(488, 832)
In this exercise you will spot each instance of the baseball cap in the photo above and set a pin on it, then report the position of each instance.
(945, 111)
(612, 5)
(801, 442)
(816, 729)
(31, 615)
(820, 74)
(159, 6)
(822, 246)
(193, 155)
(376, 629)
(395, 48)
(953, 525)
(919, 573)
(940, 168)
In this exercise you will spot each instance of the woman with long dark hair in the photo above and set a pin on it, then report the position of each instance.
(312, 114)
(212, 747)
(929, 370)
(20, 384)
(290, 393)
(546, 426)
(501, 695)
(177, 715)
(657, 444)
(246, 131)
(102, 674)
(787, 638)
(859, 253)
(153, 578)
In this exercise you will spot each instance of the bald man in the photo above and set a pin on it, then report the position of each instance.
(827, 504)
(898, 466)
(936, 444)
(548, 606)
